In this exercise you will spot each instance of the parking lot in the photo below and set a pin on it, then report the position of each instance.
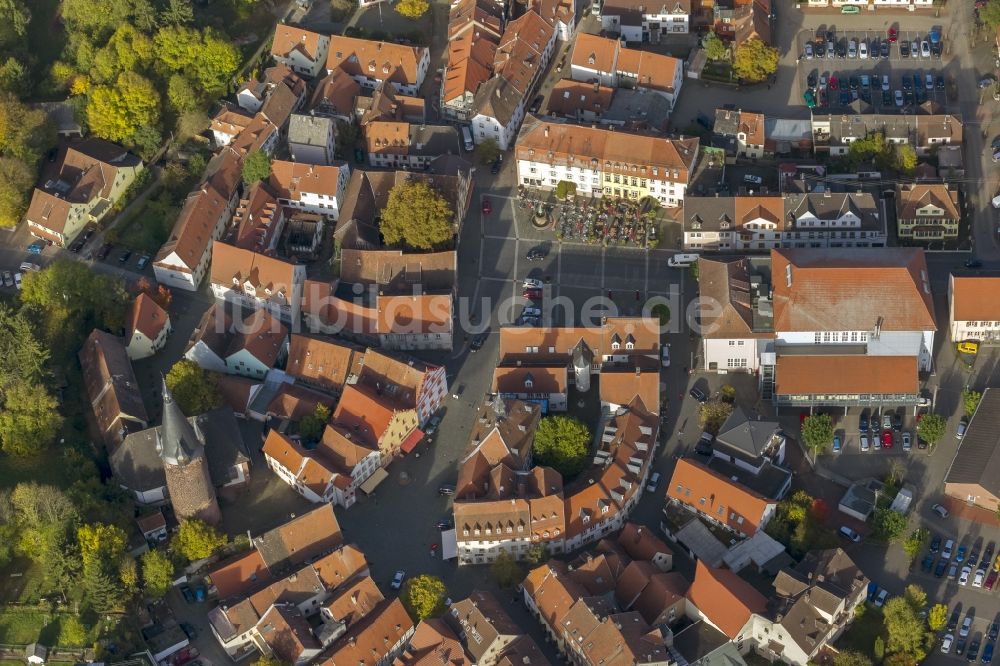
(889, 430)
(887, 69)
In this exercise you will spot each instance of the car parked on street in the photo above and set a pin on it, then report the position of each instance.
(966, 625)
(935, 543)
(946, 551)
(987, 654)
(698, 394)
(940, 510)
(397, 579)
(850, 534)
(865, 445)
(940, 568)
(906, 441)
(487, 206)
(960, 553)
(887, 439)
(978, 578)
(946, 643)
(963, 578)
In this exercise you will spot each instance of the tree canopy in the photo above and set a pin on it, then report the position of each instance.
(931, 428)
(256, 167)
(562, 443)
(117, 112)
(416, 216)
(914, 544)
(412, 9)
(715, 49)
(197, 540)
(970, 401)
(311, 426)
(29, 420)
(713, 414)
(194, 389)
(889, 525)
(423, 596)
(487, 151)
(906, 632)
(850, 658)
(817, 432)
(157, 573)
(937, 617)
(505, 570)
(755, 60)
(16, 182)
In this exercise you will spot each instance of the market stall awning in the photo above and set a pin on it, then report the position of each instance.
(378, 477)
(412, 440)
(449, 544)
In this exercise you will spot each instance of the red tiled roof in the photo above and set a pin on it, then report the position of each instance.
(715, 495)
(726, 600)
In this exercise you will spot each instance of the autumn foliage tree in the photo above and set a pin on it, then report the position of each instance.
(416, 216)
(423, 596)
(755, 60)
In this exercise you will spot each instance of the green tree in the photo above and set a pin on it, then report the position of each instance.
(817, 432)
(937, 617)
(916, 597)
(506, 571)
(487, 152)
(417, 216)
(713, 414)
(177, 12)
(13, 75)
(68, 299)
(662, 313)
(931, 428)
(906, 159)
(181, 94)
(970, 401)
(128, 50)
(728, 393)
(101, 542)
(71, 632)
(537, 554)
(879, 648)
(269, 660)
(256, 167)
(714, 47)
(990, 14)
(889, 525)
(905, 633)
(29, 420)
(412, 9)
(96, 19)
(755, 60)
(197, 540)
(424, 596)
(311, 426)
(116, 112)
(157, 574)
(206, 58)
(565, 188)
(25, 133)
(15, 17)
(102, 586)
(915, 543)
(850, 658)
(563, 443)
(195, 390)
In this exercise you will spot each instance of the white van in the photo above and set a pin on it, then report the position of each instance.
(682, 260)
(467, 138)
(996, 201)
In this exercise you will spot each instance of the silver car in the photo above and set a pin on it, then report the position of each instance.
(852, 49)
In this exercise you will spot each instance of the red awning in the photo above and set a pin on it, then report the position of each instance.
(412, 440)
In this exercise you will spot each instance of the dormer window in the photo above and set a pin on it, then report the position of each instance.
(629, 345)
(591, 60)
(615, 345)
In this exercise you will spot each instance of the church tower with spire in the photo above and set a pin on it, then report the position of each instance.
(182, 451)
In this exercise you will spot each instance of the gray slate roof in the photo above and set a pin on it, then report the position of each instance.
(138, 467)
(746, 438)
(177, 442)
(977, 460)
(309, 130)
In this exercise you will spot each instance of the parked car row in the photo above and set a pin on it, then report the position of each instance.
(864, 48)
(951, 644)
(967, 565)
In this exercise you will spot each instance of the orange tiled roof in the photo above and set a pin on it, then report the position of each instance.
(288, 38)
(847, 374)
(851, 290)
(595, 52)
(975, 298)
(715, 495)
(383, 61)
(725, 599)
(146, 316)
(325, 362)
(291, 179)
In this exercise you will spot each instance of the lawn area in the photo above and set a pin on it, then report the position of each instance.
(24, 625)
(861, 636)
(33, 468)
(717, 70)
(28, 587)
(149, 227)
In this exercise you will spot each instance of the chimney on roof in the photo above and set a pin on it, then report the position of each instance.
(546, 130)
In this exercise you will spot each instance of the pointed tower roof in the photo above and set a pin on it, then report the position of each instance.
(177, 443)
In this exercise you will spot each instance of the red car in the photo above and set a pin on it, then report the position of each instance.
(886, 439)
(487, 207)
(893, 34)
(833, 83)
(532, 294)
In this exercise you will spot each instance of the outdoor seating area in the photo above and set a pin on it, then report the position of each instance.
(606, 221)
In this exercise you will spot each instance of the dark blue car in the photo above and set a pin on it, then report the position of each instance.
(939, 569)
(928, 563)
(988, 653)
